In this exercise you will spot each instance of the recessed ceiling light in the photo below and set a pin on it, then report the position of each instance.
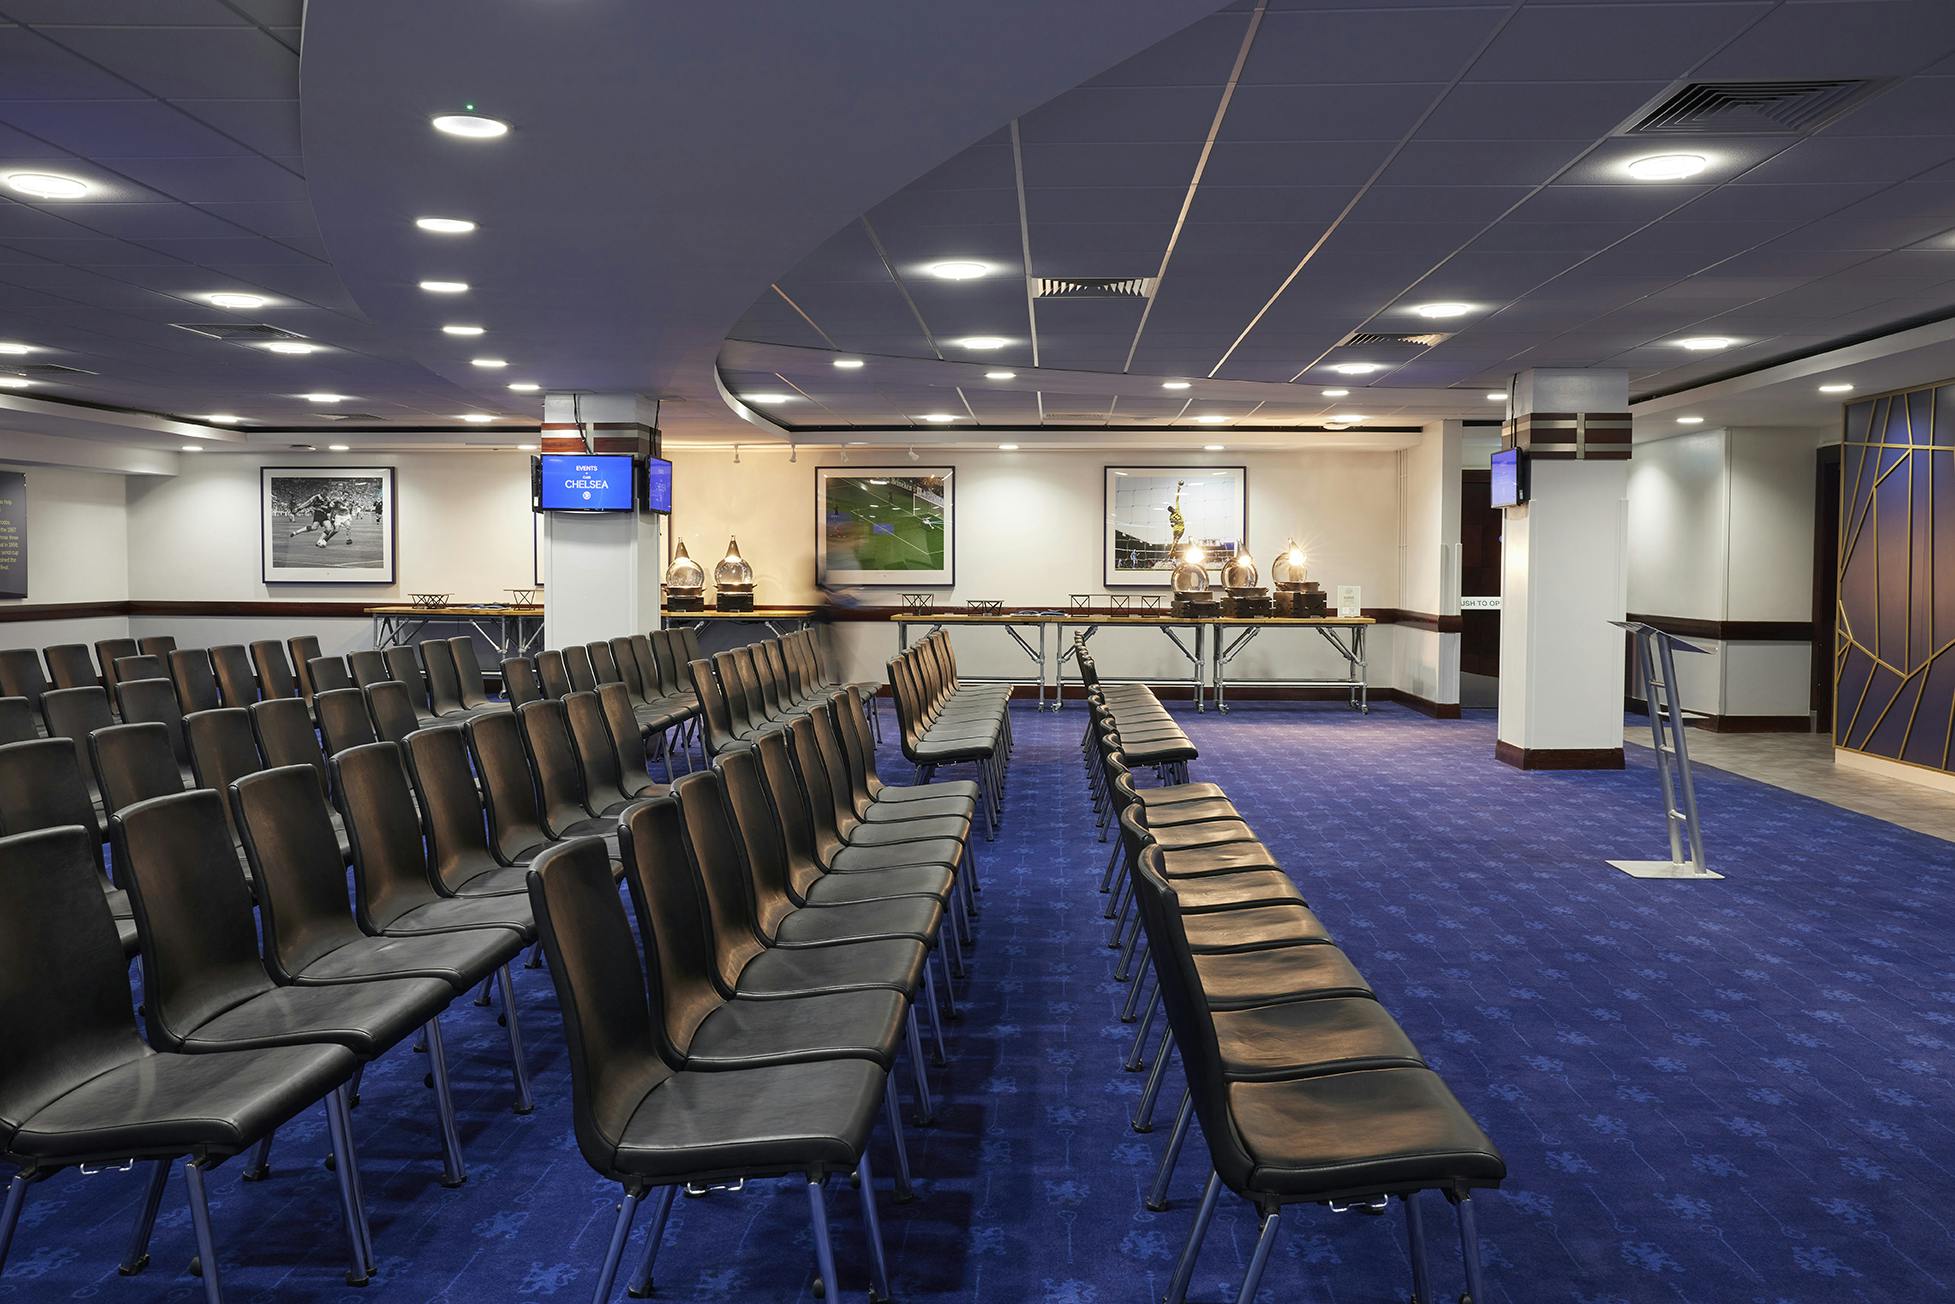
(338, 448)
(1667, 167)
(1211, 448)
(767, 398)
(14, 382)
(1706, 343)
(1357, 368)
(937, 418)
(461, 330)
(445, 225)
(489, 363)
(981, 342)
(476, 418)
(1840, 387)
(323, 398)
(525, 386)
(46, 185)
(1001, 375)
(1690, 421)
(1349, 418)
(193, 448)
(470, 126)
(958, 269)
(1210, 419)
(291, 346)
(1438, 310)
(1174, 384)
(221, 419)
(228, 300)
(16, 350)
(1008, 448)
(526, 448)
(1496, 398)
(1335, 393)
(848, 364)
(445, 287)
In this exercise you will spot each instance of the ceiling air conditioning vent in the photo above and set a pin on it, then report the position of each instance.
(237, 332)
(1762, 108)
(356, 418)
(1094, 287)
(49, 370)
(1394, 339)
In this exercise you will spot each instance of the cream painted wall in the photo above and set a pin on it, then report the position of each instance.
(77, 551)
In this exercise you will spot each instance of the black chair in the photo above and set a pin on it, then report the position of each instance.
(444, 680)
(744, 711)
(519, 681)
(577, 669)
(134, 764)
(607, 784)
(629, 736)
(17, 720)
(70, 665)
(715, 712)
(223, 749)
(947, 836)
(41, 787)
(303, 648)
(141, 666)
(460, 860)
(21, 675)
(74, 714)
(392, 711)
(343, 719)
(286, 737)
(327, 674)
(191, 677)
(275, 678)
(563, 807)
(78, 1086)
(108, 651)
(495, 747)
(143, 701)
(645, 1125)
(404, 665)
(604, 666)
(852, 723)
(237, 681)
(157, 645)
(369, 666)
(474, 685)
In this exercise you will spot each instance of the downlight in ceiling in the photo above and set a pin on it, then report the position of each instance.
(1760, 108)
(1093, 287)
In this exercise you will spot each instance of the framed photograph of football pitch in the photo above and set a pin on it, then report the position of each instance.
(885, 526)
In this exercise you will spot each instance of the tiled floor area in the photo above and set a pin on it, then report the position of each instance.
(1803, 763)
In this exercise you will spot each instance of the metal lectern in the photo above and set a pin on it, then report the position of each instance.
(1655, 653)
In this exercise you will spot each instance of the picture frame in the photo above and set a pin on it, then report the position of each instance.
(885, 527)
(1136, 510)
(327, 524)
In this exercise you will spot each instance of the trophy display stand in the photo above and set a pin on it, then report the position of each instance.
(1655, 654)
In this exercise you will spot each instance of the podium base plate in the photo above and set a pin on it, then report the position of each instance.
(1662, 869)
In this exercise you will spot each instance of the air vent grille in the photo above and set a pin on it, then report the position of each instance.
(1395, 339)
(1765, 108)
(1094, 287)
(236, 332)
(357, 418)
(50, 370)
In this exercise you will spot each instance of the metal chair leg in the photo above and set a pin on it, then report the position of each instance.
(1259, 1260)
(950, 989)
(138, 1257)
(353, 1175)
(905, 1191)
(1415, 1248)
(608, 1274)
(936, 1016)
(1184, 1271)
(336, 1125)
(260, 1166)
(872, 1225)
(824, 1249)
(200, 1222)
(1157, 1196)
(1112, 863)
(1143, 1120)
(524, 1102)
(10, 1216)
(1135, 1052)
(640, 1285)
(453, 1173)
(1469, 1250)
(926, 1111)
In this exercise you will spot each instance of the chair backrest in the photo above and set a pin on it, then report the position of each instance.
(404, 664)
(451, 805)
(666, 659)
(237, 681)
(193, 912)
(645, 662)
(390, 867)
(274, 671)
(41, 787)
(327, 674)
(627, 739)
(141, 666)
(17, 720)
(604, 666)
(789, 803)
(713, 853)
(860, 748)
(765, 681)
(468, 668)
(142, 700)
(392, 709)
(108, 651)
(191, 677)
(712, 705)
(286, 737)
(222, 747)
(70, 665)
(294, 854)
(607, 1022)
(687, 646)
(625, 662)
(832, 809)
(61, 1031)
(674, 923)
(519, 681)
(444, 680)
(759, 710)
(740, 710)
(343, 719)
(577, 665)
(495, 744)
(158, 645)
(303, 648)
(133, 763)
(828, 745)
(552, 673)
(591, 744)
(559, 788)
(772, 662)
(75, 713)
(369, 666)
(759, 834)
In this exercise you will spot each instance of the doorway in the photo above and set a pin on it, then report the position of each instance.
(1480, 525)
(1825, 580)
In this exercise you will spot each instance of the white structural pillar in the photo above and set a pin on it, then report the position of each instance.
(1425, 640)
(1565, 562)
(601, 570)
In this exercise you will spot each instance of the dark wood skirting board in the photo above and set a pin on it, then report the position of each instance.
(1732, 723)
(1424, 705)
(1730, 631)
(26, 611)
(1452, 624)
(1558, 758)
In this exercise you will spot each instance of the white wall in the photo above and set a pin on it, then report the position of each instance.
(77, 551)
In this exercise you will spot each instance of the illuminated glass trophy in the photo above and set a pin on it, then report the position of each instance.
(733, 581)
(685, 583)
(1243, 594)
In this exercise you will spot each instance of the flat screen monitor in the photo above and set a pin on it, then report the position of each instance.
(658, 485)
(586, 482)
(1509, 478)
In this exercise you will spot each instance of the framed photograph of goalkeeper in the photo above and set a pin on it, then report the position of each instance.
(327, 525)
(885, 526)
(1154, 514)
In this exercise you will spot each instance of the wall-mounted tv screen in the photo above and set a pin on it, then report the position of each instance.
(1509, 478)
(586, 482)
(658, 485)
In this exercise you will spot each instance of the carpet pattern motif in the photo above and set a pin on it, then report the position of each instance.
(1717, 1092)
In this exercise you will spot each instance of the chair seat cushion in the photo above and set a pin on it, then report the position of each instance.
(366, 1018)
(892, 812)
(1251, 887)
(962, 789)
(1284, 973)
(162, 1105)
(1159, 753)
(501, 880)
(1191, 812)
(945, 852)
(1379, 1129)
(457, 914)
(1232, 858)
(1253, 928)
(896, 964)
(861, 921)
(952, 828)
(929, 752)
(881, 884)
(1303, 1038)
(459, 959)
(1208, 833)
(852, 1025)
(1174, 794)
(763, 1120)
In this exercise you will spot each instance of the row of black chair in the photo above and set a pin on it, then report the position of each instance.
(1306, 1089)
(1151, 736)
(943, 721)
(760, 687)
(646, 666)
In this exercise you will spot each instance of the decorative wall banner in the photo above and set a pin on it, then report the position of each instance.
(885, 526)
(13, 534)
(327, 525)
(1155, 512)
(1894, 628)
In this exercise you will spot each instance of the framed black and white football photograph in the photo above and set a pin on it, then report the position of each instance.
(327, 525)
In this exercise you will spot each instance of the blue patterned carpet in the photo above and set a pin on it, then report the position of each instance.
(1714, 1092)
